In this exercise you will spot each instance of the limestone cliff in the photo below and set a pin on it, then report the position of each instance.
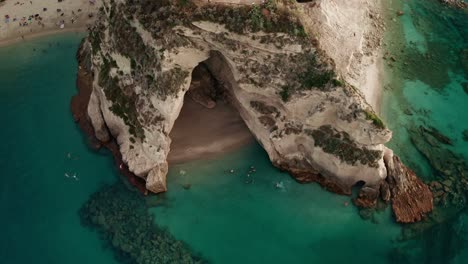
(310, 120)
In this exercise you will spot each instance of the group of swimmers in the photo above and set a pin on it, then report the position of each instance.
(250, 179)
(73, 176)
(29, 20)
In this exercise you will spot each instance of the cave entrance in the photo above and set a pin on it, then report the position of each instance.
(356, 188)
(208, 124)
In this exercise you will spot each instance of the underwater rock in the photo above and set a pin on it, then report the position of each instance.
(122, 219)
(450, 188)
(456, 3)
(465, 87)
(465, 135)
(407, 111)
(443, 160)
(436, 134)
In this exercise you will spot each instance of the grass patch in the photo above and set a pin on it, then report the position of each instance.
(285, 93)
(375, 119)
(314, 74)
(342, 146)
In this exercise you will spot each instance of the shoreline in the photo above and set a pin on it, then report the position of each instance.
(44, 33)
(372, 88)
(22, 21)
(200, 134)
(372, 82)
(79, 111)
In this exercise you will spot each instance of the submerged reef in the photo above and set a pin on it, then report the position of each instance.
(120, 216)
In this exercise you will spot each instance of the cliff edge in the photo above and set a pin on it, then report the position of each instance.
(270, 66)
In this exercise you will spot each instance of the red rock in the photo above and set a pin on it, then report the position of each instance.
(411, 198)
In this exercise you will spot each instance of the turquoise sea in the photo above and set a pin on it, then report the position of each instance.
(38, 203)
(224, 217)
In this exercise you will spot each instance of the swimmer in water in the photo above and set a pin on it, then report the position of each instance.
(66, 175)
(279, 185)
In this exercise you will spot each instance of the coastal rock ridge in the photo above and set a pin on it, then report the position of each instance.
(293, 94)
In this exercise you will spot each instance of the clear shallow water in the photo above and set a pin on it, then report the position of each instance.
(426, 80)
(427, 42)
(220, 215)
(38, 204)
(233, 218)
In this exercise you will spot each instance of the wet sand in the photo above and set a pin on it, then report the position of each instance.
(202, 133)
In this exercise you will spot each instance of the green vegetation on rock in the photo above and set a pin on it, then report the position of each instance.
(375, 119)
(123, 105)
(306, 72)
(160, 16)
(264, 109)
(285, 94)
(341, 145)
(314, 76)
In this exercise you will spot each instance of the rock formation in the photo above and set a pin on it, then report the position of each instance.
(411, 198)
(311, 122)
(455, 3)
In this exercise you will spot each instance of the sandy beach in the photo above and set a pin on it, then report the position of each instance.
(202, 133)
(23, 20)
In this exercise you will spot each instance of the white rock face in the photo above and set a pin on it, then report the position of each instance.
(350, 32)
(254, 69)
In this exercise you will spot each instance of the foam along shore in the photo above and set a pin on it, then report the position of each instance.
(23, 20)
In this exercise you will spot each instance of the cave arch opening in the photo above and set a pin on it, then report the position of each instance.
(208, 124)
(356, 188)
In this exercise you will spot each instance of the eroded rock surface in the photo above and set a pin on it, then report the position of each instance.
(310, 121)
(411, 198)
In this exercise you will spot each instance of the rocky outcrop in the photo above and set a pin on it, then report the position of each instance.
(309, 120)
(456, 3)
(411, 198)
(450, 187)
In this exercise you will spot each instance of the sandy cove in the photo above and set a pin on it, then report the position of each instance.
(209, 139)
(202, 133)
(45, 18)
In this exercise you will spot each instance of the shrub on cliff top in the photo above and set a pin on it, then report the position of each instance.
(315, 75)
(375, 119)
(342, 146)
(285, 93)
